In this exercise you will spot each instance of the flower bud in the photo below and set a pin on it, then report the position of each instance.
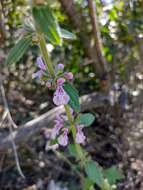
(60, 66)
(48, 84)
(69, 75)
(60, 81)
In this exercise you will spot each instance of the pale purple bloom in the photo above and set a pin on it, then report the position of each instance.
(42, 68)
(59, 123)
(58, 120)
(80, 137)
(60, 81)
(63, 138)
(60, 96)
(69, 75)
(38, 74)
(55, 131)
(40, 63)
(60, 66)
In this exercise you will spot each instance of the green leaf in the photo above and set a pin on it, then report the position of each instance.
(113, 175)
(67, 35)
(94, 173)
(47, 23)
(86, 119)
(18, 50)
(87, 184)
(72, 150)
(73, 94)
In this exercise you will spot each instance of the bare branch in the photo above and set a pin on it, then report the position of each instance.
(96, 33)
(11, 123)
(78, 21)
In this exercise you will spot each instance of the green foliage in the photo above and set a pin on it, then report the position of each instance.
(47, 23)
(113, 175)
(73, 94)
(87, 184)
(67, 35)
(94, 173)
(86, 119)
(72, 150)
(18, 50)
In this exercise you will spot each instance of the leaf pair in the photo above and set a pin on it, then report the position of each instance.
(46, 24)
(98, 176)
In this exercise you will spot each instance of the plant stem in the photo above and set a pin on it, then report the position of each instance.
(42, 45)
(69, 163)
(44, 52)
(73, 129)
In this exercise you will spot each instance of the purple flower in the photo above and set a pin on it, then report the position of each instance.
(42, 68)
(60, 96)
(59, 123)
(63, 138)
(80, 137)
(38, 74)
(60, 66)
(40, 63)
(59, 120)
(55, 131)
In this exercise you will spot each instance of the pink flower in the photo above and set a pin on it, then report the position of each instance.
(63, 138)
(60, 96)
(60, 66)
(80, 137)
(38, 74)
(40, 63)
(60, 81)
(69, 75)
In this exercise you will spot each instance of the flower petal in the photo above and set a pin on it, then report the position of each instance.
(40, 63)
(60, 96)
(63, 138)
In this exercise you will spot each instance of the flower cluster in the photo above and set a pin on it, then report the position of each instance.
(60, 131)
(60, 96)
(61, 126)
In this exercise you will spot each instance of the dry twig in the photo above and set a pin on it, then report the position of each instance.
(11, 123)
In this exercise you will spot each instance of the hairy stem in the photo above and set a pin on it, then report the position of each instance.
(42, 45)
(73, 129)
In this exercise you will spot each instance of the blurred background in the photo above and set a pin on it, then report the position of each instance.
(116, 137)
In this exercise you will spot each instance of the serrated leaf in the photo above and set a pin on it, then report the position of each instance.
(67, 35)
(94, 173)
(86, 119)
(47, 23)
(18, 50)
(73, 94)
(113, 175)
